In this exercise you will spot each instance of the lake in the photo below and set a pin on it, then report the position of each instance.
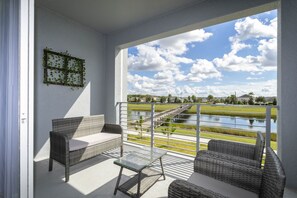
(252, 124)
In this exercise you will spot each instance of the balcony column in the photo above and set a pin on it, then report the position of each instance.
(287, 92)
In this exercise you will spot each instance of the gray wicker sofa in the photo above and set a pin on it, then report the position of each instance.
(220, 179)
(73, 140)
(236, 152)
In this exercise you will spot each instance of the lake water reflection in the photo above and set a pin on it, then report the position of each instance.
(252, 124)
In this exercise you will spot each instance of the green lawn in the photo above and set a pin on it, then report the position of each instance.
(218, 136)
(223, 130)
(244, 111)
(172, 145)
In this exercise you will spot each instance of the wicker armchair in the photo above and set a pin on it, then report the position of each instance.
(236, 152)
(219, 178)
(77, 139)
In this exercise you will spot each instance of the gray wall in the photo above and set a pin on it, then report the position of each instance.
(53, 101)
(287, 88)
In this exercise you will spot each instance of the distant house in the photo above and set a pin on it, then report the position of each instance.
(244, 97)
(204, 100)
(269, 99)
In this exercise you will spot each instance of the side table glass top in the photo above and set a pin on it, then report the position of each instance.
(140, 158)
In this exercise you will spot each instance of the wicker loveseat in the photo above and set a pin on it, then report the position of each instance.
(219, 178)
(73, 140)
(236, 152)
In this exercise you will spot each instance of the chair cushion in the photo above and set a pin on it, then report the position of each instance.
(90, 140)
(220, 187)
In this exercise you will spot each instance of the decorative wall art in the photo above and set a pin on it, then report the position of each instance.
(60, 68)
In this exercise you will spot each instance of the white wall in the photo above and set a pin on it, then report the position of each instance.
(54, 101)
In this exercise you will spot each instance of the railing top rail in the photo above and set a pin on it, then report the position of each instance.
(203, 104)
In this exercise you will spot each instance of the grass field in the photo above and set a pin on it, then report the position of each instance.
(223, 130)
(243, 111)
(217, 136)
(172, 145)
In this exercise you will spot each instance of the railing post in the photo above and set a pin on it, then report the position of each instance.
(152, 124)
(198, 128)
(268, 125)
(120, 113)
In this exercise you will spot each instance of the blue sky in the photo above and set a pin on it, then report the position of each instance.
(237, 56)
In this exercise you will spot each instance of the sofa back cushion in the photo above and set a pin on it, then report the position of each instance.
(78, 126)
(274, 179)
(259, 148)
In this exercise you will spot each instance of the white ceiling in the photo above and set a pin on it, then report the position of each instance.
(108, 16)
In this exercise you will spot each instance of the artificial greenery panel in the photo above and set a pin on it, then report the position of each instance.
(60, 68)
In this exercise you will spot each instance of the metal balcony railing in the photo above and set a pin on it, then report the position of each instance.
(187, 128)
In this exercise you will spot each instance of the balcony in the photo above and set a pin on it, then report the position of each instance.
(97, 177)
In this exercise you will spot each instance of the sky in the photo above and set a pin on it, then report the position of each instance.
(235, 57)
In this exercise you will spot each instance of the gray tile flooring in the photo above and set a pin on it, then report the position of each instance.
(97, 177)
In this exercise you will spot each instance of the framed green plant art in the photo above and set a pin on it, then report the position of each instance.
(60, 68)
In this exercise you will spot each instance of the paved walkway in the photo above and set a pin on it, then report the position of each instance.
(173, 136)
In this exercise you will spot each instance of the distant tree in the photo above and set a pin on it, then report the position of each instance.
(244, 102)
(175, 100)
(139, 126)
(251, 100)
(233, 99)
(169, 129)
(260, 99)
(169, 98)
(148, 98)
(199, 100)
(274, 102)
(194, 98)
(185, 100)
(239, 102)
(228, 100)
(210, 98)
(189, 98)
(163, 99)
(215, 101)
(251, 94)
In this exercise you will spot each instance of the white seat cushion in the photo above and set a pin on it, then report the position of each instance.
(90, 140)
(220, 187)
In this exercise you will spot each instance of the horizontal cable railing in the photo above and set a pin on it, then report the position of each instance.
(187, 128)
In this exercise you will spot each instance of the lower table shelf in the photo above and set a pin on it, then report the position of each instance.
(148, 178)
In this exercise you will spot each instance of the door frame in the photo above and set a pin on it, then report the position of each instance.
(26, 97)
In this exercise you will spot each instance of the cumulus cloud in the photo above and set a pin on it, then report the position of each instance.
(178, 44)
(144, 85)
(165, 53)
(202, 69)
(148, 59)
(249, 28)
(265, 35)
